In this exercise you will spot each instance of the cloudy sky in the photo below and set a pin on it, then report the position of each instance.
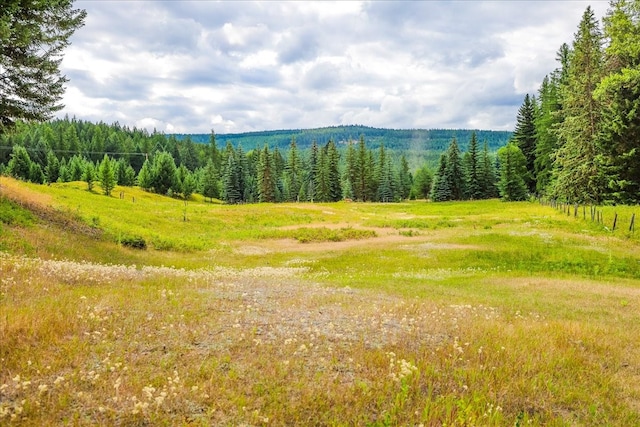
(239, 66)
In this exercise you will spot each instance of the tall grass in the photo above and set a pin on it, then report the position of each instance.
(479, 313)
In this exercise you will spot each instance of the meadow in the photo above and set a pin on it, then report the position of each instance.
(138, 309)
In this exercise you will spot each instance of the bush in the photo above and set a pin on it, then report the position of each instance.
(134, 242)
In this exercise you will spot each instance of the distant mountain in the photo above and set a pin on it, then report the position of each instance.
(419, 145)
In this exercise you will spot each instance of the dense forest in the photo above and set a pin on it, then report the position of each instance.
(76, 150)
(580, 136)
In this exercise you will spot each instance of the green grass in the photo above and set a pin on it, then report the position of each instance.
(465, 313)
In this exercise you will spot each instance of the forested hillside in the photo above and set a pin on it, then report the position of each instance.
(419, 145)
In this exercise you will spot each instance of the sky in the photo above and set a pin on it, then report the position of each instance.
(243, 66)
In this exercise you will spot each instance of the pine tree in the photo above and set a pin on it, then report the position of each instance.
(20, 163)
(310, 184)
(454, 172)
(513, 169)
(164, 173)
(33, 35)
(487, 178)
(619, 94)
(473, 170)
(292, 173)
(350, 178)
(266, 177)
(546, 123)
(441, 191)
(210, 186)
(525, 138)
(577, 167)
(89, 175)
(405, 179)
(422, 183)
(230, 182)
(333, 173)
(145, 176)
(52, 169)
(106, 175)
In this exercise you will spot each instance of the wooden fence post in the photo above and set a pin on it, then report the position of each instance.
(632, 226)
(615, 221)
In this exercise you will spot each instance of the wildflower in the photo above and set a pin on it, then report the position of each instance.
(42, 388)
(58, 380)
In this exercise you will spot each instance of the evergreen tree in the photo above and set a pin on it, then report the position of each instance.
(292, 173)
(487, 178)
(164, 173)
(619, 95)
(20, 163)
(311, 185)
(189, 154)
(362, 172)
(405, 179)
(33, 35)
(546, 123)
(266, 177)
(231, 182)
(577, 167)
(422, 183)
(210, 186)
(89, 175)
(76, 167)
(454, 172)
(333, 172)
(52, 169)
(214, 153)
(145, 176)
(441, 191)
(525, 138)
(513, 169)
(106, 175)
(35, 173)
(473, 170)
(350, 177)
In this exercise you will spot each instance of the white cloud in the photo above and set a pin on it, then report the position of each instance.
(240, 66)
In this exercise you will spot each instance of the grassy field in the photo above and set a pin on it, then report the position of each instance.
(470, 313)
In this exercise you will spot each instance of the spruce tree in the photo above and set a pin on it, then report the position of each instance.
(33, 36)
(525, 138)
(333, 173)
(164, 173)
(619, 95)
(577, 166)
(210, 186)
(473, 172)
(405, 179)
(513, 169)
(487, 177)
(292, 173)
(231, 182)
(52, 169)
(145, 176)
(20, 163)
(441, 190)
(107, 175)
(266, 177)
(454, 172)
(422, 183)
(89, 175)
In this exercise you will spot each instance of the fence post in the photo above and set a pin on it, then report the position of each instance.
(615, 220)
(632, 226)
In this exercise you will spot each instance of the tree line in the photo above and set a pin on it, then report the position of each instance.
(580, 136)
(75, 150)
